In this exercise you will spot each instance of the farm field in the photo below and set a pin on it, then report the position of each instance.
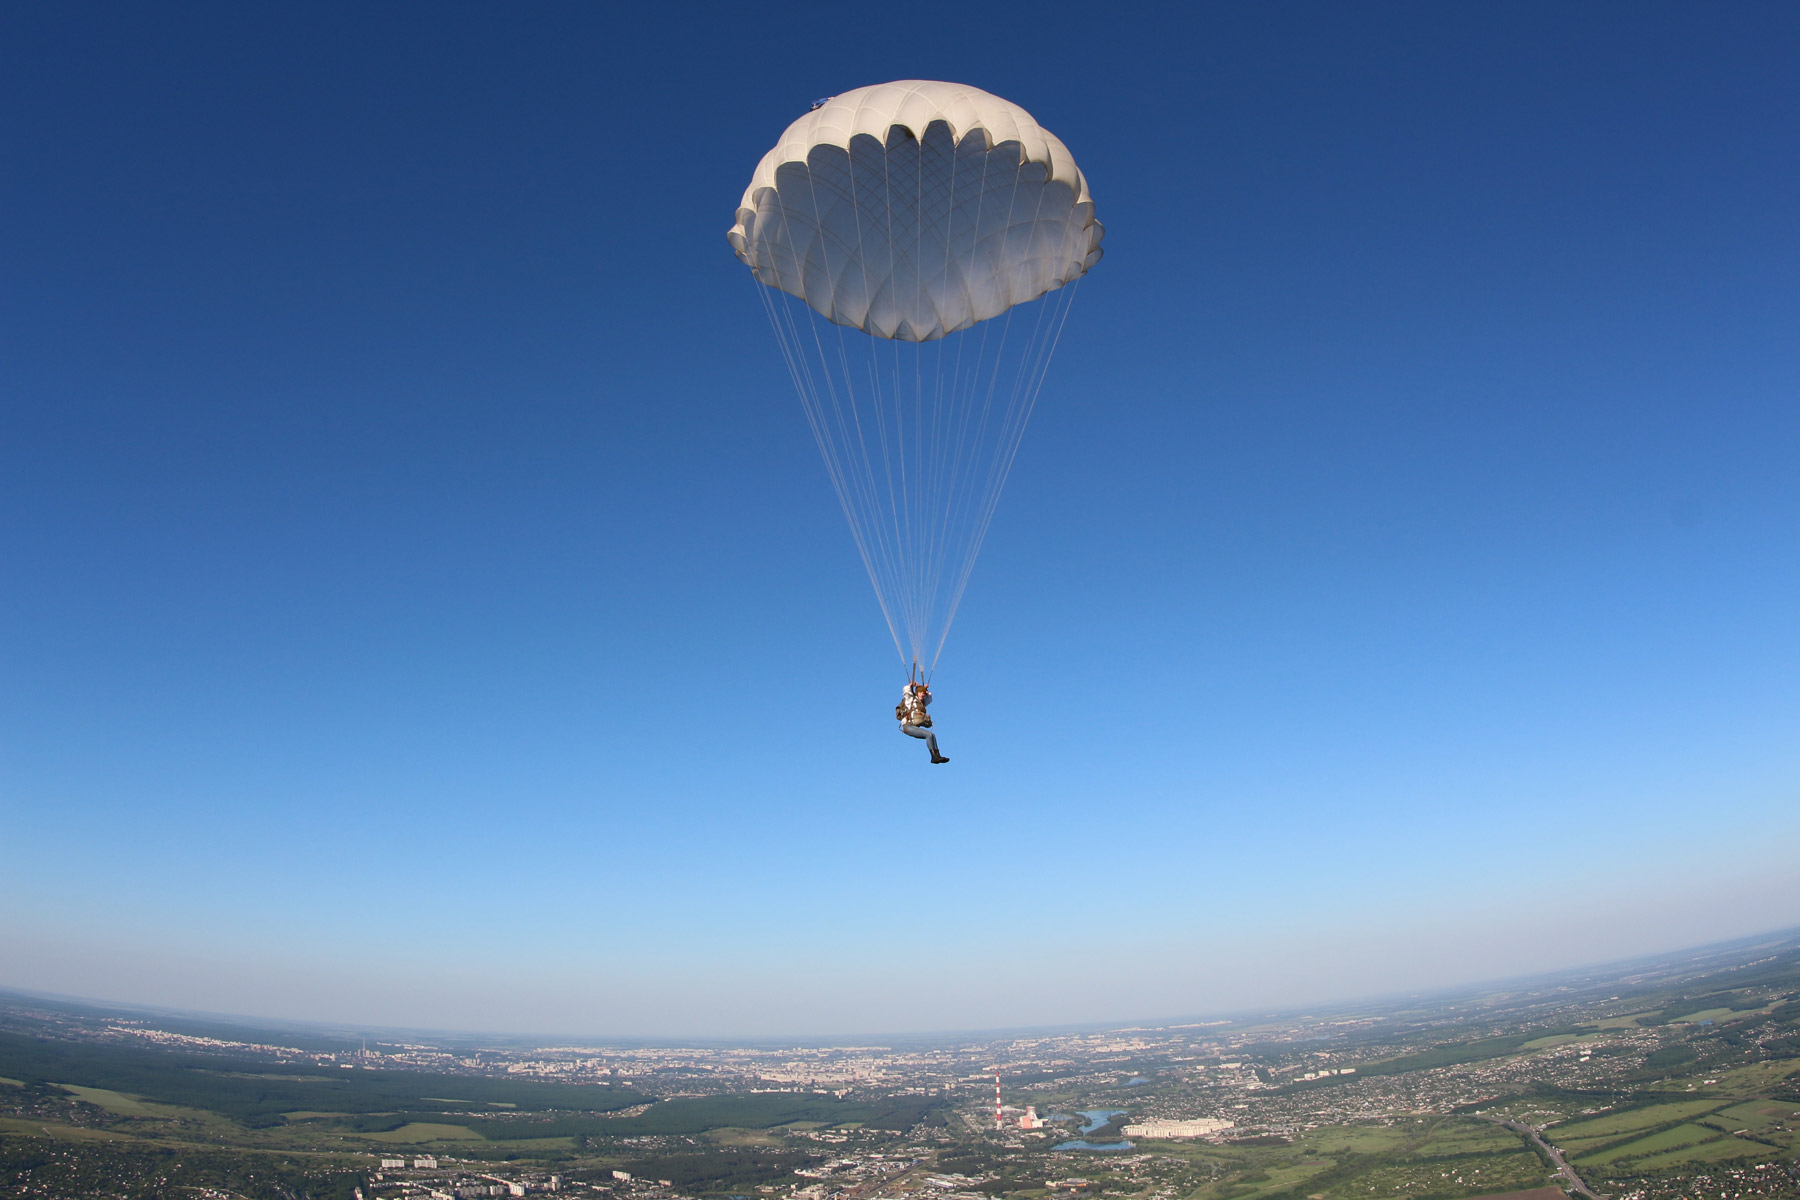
(419, 1133)
(125, 1106)
(1760, 1117)
(1433, 1157)
(1613, 1125)
(1721, 1150)
(1655, 1143)
(1358, 1139)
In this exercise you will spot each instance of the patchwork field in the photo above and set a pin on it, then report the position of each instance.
(1611, 1126)
(1759, 1117)
(1655, 1143)
(1679, 1136)
(1722, 1150)
(1436, 1158)
(1513, 1172)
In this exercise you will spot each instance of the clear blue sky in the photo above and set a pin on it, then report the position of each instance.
(421, 601)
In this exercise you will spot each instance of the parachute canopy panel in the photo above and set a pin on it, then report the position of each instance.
(914, 209)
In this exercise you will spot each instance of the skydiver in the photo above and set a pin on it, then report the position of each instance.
(914, 720)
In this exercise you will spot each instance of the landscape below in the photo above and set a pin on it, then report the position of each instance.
(1648, 1081)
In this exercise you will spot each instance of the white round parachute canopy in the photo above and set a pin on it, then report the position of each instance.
(914, 209)
(946, 224)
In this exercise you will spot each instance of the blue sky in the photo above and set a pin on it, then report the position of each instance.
(423, 603)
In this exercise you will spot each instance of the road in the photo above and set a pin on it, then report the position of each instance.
(1552, 1153)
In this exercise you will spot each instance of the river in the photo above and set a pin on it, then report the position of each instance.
(1097, 1118)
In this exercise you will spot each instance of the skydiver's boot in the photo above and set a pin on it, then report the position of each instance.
(936, 757)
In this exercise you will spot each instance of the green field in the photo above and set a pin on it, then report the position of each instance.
(1705, 1014)
(1707, 1139)
(729, 1136)
(1629, 1021)
(1724, 1149)
(17, 1128)
(1355, 1139)
(1757, 1116)
(1614, 1125)
(422, 1131)
(1437, 1158)
(743, 1116)
(1513, 1172)
(1467, 1139)
(1284, 1178)
(114, 1102)
(1655, 1143)
(1757, 1077)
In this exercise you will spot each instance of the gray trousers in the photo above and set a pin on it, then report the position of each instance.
(922, 731)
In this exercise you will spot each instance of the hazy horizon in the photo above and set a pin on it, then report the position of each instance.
(1273, 1007)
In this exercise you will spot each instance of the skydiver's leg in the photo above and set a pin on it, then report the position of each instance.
(924, 732)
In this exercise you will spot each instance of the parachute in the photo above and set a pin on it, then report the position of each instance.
(912, 243)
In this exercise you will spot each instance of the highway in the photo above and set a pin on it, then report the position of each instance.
(1574, 1181)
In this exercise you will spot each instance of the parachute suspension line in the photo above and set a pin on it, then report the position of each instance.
(884, 513)
(961, 468)
(958, 508)
(936, 541)
(793, 353)
(1028, 389)
(995, 403)
(1034, 365)
(958, 465)
(892, 561)
(891, 442)
(897, 496)
(854, 488)
(920, 516)
(920, 491)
